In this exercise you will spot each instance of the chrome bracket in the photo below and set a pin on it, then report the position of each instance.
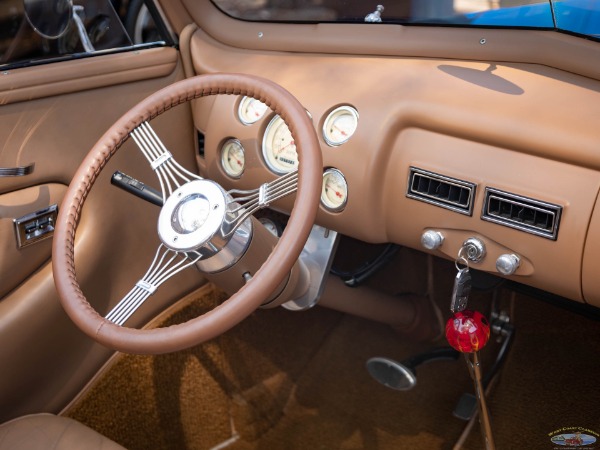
(163, 158)
(317, 255)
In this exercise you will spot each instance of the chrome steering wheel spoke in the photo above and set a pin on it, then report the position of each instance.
(247, 202)
(166, 264)
(171, 174)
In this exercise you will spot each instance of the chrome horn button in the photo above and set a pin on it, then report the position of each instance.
(192, 216)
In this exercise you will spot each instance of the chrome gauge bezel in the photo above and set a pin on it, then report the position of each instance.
(325, 202)
(267, 146)
(242, 107)
(225, 152)
(334, 114)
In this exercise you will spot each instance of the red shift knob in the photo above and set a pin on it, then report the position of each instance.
(467, 331)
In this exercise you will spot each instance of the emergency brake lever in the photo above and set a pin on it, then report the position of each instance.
(137, 188)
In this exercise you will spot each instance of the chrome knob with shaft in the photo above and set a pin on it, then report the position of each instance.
(508, 264)
(432, 240)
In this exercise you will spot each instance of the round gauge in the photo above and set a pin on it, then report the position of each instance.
(340, 125)
(251, 110)
(270, 225)
(334, 193)
(279, 148)
(232, 158)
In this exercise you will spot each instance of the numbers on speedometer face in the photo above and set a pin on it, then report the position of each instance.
(279, 148)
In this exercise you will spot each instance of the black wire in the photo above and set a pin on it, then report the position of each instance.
(358, 276)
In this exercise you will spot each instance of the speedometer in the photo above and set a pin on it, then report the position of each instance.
(279, 148)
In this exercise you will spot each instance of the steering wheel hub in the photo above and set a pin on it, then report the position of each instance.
(192, 217)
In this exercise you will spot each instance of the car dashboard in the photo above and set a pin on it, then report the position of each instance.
(504, 153)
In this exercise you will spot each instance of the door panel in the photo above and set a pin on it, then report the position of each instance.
(73, 76)
(45, 359)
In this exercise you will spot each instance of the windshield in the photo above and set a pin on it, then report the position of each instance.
(574, 16)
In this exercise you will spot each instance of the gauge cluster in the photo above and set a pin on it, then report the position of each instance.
(278, 149)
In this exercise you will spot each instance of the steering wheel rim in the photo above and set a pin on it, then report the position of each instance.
(264, 281)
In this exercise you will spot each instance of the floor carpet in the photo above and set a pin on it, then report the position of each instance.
(286, 380)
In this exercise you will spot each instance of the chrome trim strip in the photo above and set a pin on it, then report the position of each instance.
(19, 171)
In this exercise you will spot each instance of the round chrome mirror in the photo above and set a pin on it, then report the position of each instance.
(49, 18)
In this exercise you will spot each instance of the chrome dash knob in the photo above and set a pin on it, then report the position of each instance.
(432, 240)
(508, 264)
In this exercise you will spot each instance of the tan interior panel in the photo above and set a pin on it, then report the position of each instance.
(514, 106)
(551, 265)
(18, 263)
(73, 76)
(591, 261)
(117, 231)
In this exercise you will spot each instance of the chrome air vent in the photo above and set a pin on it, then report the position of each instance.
(522, 213)
(441, 190)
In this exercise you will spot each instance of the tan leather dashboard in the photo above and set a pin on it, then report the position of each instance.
(526, 129)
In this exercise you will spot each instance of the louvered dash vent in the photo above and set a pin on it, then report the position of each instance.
(440, 190)
(522, 213)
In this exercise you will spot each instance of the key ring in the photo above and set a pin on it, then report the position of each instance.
(461, 259)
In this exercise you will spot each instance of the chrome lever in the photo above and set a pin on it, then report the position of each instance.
(16, 171)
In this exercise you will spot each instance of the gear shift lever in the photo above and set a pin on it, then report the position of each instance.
(469, 331)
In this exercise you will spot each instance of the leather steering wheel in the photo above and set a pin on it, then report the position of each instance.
(263, 282)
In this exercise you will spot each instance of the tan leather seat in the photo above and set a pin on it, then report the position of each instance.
(50, 432)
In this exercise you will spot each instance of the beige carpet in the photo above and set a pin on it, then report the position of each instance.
(285, 380)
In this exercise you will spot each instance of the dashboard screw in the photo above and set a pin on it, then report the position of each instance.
(260, 34)
(482, 41)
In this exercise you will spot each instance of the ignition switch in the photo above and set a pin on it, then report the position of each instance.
(473, 249)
